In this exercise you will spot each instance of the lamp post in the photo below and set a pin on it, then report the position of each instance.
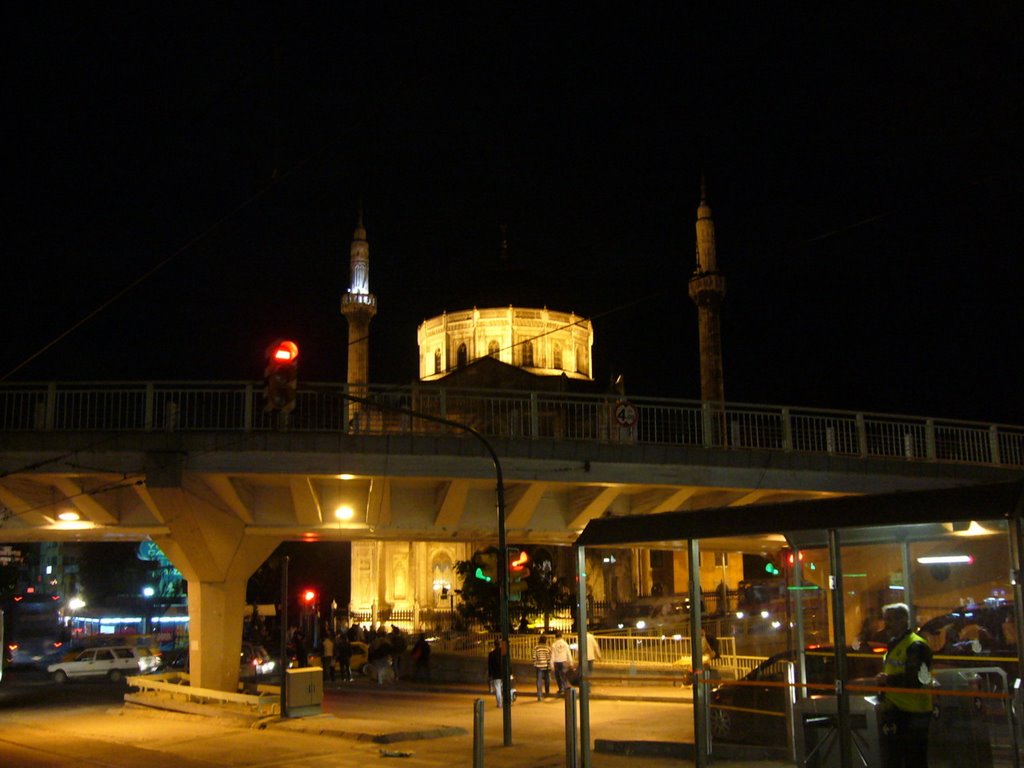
(503, 620)
(147, 607)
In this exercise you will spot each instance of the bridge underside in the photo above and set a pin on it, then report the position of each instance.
(290, 486)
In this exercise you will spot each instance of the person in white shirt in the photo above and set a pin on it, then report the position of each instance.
(561, 661)
(593, 652)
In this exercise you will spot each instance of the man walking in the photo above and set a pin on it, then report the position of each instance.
(907, 713)
(494, 677)
(327, 658)
(561, 660)
(542, 663)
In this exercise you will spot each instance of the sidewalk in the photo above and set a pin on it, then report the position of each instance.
(412, 723)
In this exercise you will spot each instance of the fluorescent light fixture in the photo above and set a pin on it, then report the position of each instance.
(69, 516)
(346, 476)
(974, 528)
(968, 559)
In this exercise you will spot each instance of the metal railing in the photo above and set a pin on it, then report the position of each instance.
(649, 652)
(510, 415)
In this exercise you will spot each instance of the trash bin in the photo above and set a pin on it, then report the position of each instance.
(960, 734)
(817, 732)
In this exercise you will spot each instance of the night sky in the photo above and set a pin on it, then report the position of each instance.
(864, 168)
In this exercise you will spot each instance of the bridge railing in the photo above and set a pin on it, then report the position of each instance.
(510, 415)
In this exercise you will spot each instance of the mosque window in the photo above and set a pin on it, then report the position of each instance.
(581, 361)
(556, 356)
(461, 356)
(494, 349)
(528, 354)
(437, 361)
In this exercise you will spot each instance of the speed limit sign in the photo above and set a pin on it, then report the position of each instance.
(625, 413)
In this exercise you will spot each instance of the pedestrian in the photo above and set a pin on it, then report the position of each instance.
(542, 664)
(593, 652)
(327, 658)
(379, 654)
(905, 715)
(301, 654)
(343, 653)
(398, 645)
(421, 658)
(561, 661)
(494, 670)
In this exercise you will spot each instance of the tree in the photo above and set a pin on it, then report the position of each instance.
(546, 591)
(480, 588)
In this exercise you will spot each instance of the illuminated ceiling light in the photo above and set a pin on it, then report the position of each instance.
(344, 512)
(76, 603)
(968, 559)
(69, 516)
(973, 529)
(346, 476)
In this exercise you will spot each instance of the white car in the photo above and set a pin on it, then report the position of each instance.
(113, 662)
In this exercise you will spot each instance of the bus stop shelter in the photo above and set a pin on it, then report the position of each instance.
(897, 534)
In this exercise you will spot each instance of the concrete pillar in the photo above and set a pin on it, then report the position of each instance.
(211, 549)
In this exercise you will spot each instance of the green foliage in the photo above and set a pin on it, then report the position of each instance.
(479, 596)
(546, 591)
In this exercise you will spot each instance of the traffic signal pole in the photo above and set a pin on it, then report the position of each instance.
(503, 579)
(283, 620)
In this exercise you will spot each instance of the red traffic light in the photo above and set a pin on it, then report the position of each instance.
(517, 561)
(281, 376)
(309, 596)
(283, 352)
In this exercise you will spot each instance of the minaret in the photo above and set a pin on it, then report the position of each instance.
(358, 306)
(707, 289)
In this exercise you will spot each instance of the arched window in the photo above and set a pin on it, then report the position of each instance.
(581, 361)
(556, 356)
(494, 350)
(437, 361)
(443, 576)
(528, 354)
(462, 356)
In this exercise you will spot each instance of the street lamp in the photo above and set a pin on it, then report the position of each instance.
(147, 608)
(503, 620)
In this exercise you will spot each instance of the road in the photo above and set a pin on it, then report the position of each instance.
(85, 724)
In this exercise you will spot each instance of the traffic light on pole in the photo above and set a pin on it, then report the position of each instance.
(518, 571)
(281, 376)
(308, 597)
(486, 566)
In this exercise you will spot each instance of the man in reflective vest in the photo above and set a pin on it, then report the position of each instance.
(906, 713)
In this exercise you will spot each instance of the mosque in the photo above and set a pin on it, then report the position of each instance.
(507, 347)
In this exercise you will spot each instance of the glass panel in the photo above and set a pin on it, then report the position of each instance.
(964, 608)
(957, 709)
(639, 617)
(763, 590)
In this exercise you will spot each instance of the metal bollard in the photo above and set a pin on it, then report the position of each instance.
(478, 733)
(571, 757)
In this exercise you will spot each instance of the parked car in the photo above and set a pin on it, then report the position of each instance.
(112, 662)
(979, 630)
(254, 662)
(752, 713)
(665, 615)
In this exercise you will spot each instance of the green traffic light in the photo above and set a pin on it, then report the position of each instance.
(480, 575)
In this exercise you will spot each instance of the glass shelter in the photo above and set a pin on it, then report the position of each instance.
(769, 619)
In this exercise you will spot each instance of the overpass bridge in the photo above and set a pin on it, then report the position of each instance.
(201, 469)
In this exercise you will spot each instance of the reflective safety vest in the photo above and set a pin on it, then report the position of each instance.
(895, 665)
